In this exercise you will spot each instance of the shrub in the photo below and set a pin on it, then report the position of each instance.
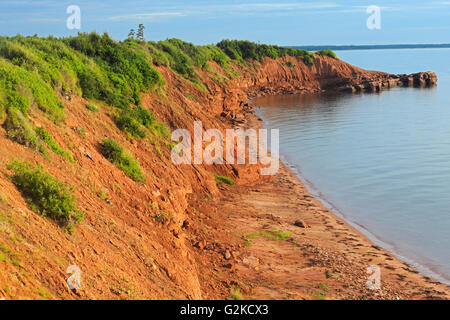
(19, 129)
(328, 53)
(246, 50)
(48, 139)
(116, 154)
(134, 121)
(290, 64)
(92, 107)
(128, 124)
(221, 179)
(46, 195)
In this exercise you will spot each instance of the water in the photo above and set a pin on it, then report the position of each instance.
(383, 160)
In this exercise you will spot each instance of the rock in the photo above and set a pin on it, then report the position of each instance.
(229, 266)
(301, 224)
(251, 261)
(200, 244)
(227, 255)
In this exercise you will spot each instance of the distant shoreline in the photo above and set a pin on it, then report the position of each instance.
(373, 47)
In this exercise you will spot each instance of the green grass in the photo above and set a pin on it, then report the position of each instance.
(3, 198)
(45, 194)
(321, 294)
(116, 154)
(9, 256)
(92, 107)
(236, 293)
(273, 235)
(221, 179)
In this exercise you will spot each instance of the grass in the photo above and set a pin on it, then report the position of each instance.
(116, 154)
(45, 194)
(221, 179)
(236, 293)
(272, 235)
(3, 198)
(321, 294)
(9, 256)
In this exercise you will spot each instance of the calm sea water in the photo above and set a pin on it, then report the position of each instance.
(381, 160)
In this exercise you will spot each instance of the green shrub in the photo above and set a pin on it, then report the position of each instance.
(53, 145)
(46, 195)
(308, 60)
(328, 53)
(128, 124)
(135, 120)
(290, 64)
(19, 129)
(92, 107)
(246, 50)
(116, 154)
(221, 179)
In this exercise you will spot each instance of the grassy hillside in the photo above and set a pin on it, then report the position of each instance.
(40, 71)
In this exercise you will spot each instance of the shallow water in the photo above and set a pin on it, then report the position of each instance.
(383, 160)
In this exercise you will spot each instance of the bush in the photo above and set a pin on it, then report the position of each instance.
(116, 154)
(134, 121)
(92, 107)
(19, 129)
(48, 139)
(328, 53)
(246, 50)
(46, 195)
(221, 179)
(126, 64)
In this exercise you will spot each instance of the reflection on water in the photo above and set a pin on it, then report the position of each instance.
(382, 159)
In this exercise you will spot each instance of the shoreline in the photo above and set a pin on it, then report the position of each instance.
(334, 252)
(423, 268)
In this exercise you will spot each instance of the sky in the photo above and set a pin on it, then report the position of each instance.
(283, 22)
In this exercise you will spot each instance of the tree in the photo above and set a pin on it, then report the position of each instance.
(140, 33)
(131, 34)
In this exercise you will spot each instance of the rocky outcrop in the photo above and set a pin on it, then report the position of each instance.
(290, 75)
(363, 84)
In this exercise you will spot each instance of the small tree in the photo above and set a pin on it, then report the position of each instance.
(131, 34)
(140, 33)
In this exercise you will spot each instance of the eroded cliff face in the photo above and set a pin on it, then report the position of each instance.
(141, 239)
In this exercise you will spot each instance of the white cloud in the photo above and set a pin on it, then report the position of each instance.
(146, 16)
(243, 8)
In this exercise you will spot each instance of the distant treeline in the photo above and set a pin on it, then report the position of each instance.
(374, 47)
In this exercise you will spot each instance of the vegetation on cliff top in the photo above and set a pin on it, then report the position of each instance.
(246, 50)
(36, 73)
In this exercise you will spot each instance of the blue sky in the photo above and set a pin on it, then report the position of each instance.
(283, 22)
